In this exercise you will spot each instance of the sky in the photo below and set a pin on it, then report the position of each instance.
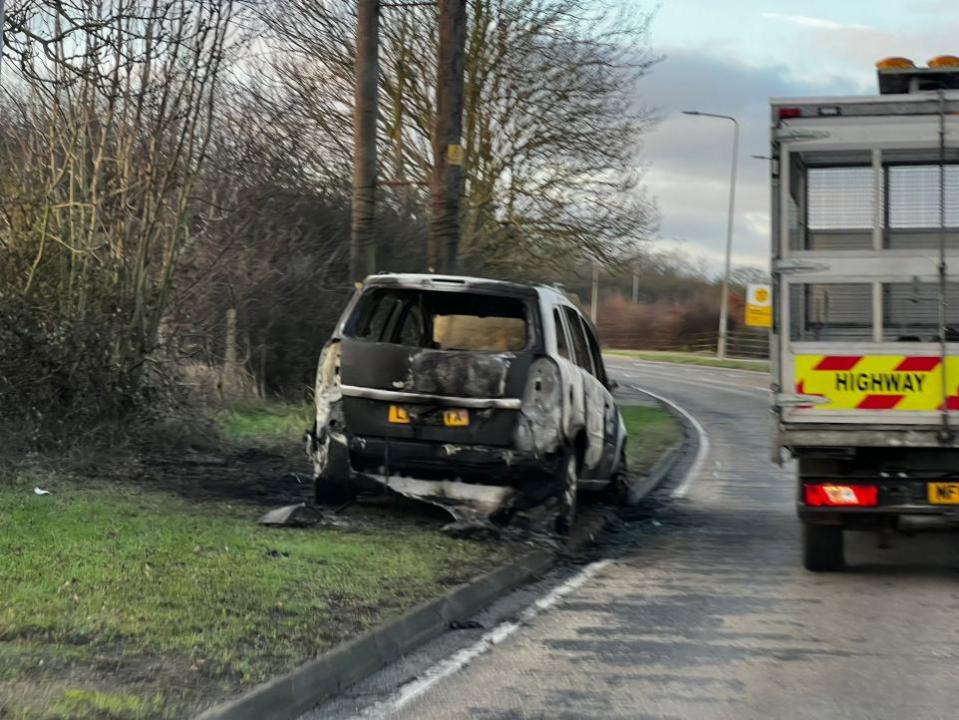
(730, 57)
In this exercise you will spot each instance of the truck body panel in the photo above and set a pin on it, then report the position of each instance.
(861, 256)
(865, 337)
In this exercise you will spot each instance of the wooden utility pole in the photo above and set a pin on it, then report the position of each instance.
(447, 179)
(594, 298)
(362, 240)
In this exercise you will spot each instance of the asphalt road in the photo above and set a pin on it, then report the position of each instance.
(701, 608)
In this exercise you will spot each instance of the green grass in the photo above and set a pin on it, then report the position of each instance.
(652, 431)
(691, 359)
(269, 422)
(112, 583)
(94, 705)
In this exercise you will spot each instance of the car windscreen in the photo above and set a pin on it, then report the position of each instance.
(477, 322)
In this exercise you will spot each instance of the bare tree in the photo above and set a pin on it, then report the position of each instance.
(113, 105)
(552, 124)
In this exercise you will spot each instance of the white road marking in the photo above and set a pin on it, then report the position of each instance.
(711, 378)
(701, 453)
(460, 659)
(683, 366)
(736, 389)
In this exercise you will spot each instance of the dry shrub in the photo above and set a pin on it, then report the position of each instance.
(664, 325)
(56, 374)
(628, 325)
(63, 385)
(210, 386)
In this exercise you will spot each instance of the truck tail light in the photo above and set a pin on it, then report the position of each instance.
(831, 495)
(786, 113)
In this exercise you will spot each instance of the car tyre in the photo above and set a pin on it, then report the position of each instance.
(569, 483)
(619, 485)
(823, 548)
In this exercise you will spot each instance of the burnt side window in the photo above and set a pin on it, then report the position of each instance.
(467, 321)
(562, 346)
(599, 370)
(376, 314)
(580, 344)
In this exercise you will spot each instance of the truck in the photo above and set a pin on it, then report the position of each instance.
(865, 275)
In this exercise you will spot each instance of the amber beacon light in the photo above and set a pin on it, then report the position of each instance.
(895, 63)
(944, 61)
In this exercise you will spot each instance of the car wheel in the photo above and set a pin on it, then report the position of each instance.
(619, 485)
(823, 548)
(569, 470)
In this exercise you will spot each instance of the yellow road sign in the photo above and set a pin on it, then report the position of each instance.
(759, 305)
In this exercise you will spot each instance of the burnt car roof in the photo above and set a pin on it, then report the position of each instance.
(424, 281)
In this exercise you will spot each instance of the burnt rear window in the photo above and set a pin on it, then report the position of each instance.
(441, 320)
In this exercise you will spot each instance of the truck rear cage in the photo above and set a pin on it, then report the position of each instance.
(866, 253)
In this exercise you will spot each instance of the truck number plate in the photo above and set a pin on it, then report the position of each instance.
(944, 493)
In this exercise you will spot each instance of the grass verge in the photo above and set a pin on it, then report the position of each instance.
(691, 359)
(123, 603)
(652, 431)
(265, 422)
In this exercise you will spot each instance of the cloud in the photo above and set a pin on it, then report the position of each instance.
(689, 157)
(733, 70)
(814, 22)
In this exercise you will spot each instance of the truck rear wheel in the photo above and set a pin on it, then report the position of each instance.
(823, 548)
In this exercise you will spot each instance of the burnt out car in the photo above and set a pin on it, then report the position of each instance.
(481, 396)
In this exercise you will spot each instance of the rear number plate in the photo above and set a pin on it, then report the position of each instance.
(399, 416)
(451, 418)
(456, 418)
(944, 493)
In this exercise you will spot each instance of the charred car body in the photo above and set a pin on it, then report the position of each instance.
(482, 396)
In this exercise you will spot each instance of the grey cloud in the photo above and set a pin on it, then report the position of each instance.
(813, 22)
(689, 157)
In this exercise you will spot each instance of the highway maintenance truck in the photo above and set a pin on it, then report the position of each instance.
(865, 338)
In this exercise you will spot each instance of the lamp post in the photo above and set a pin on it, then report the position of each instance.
(724, 307)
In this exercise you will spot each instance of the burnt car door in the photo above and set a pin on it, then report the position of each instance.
(597, 401)
(611, 416)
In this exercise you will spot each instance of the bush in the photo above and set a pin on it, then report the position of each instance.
(56, 373)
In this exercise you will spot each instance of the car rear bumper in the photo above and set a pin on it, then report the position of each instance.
(473, 478)
(478, 464)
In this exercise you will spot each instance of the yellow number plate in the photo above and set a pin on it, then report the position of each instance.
(944, 493)
(456, 418)
(399, 416)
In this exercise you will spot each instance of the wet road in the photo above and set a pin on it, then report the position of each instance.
(704, 611)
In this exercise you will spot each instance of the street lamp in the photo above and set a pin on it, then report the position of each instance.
(724, 308)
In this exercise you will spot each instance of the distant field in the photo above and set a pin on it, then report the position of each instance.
(692, 359)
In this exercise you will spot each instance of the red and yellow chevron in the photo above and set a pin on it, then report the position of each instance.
(877, 382)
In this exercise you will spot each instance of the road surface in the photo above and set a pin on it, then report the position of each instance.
(701, 608)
